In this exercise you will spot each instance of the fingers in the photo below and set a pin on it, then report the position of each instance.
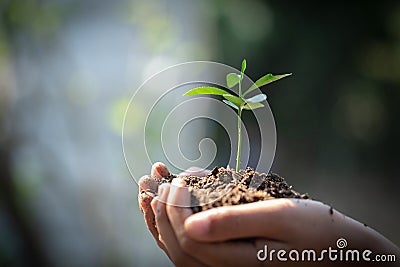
(232, 253)
(145, 208)
(179, 194)
(148, 184)
(148, 187)
(195, 171)
(167, 233)
(159, 170)
(178, 208)
(157, 209)
(260, 219)
(165, 217)
(293, 221)
(171, 213)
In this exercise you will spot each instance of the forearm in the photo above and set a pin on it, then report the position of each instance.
(372, 247)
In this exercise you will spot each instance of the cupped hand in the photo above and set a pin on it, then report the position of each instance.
(235, 235)
(148, 188)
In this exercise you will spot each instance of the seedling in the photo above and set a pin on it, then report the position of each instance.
(239, 102)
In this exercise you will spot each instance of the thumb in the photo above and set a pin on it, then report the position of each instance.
(268, 219)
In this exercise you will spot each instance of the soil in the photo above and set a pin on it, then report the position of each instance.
(224, 187)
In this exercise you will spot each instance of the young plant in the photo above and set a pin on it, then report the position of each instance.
(239, 102)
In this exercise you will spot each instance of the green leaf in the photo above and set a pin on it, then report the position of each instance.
(269, 78)
(234, 99)
(232, 79)
(206, 90)
(257, 98)
(251, 106)
(243, 67)
(229, 103)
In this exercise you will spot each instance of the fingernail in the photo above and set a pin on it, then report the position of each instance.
(148, 183)
(159, 170)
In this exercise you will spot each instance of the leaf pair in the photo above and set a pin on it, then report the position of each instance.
(232, 78)
(266, 79)
(239, 102)
(248, 104)
(231, 100)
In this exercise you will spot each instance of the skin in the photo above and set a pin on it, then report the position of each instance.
(232, 235)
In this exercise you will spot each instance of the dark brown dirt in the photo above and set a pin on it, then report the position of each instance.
(224, 187)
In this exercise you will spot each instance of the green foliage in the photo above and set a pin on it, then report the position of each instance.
(257, 98)
(251, 106)
(239, 102)
(232, 79)
(243, 68)
(269, 78)
(206, 91)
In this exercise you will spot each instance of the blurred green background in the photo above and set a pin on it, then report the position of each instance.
(68, 69)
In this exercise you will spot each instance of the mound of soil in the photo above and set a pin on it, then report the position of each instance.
(224, 187)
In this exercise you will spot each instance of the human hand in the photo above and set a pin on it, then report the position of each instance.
(233, 235)
(148, 188)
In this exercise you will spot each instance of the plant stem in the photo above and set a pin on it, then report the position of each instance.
(240, 85)
(239, 146)
(239, 139)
